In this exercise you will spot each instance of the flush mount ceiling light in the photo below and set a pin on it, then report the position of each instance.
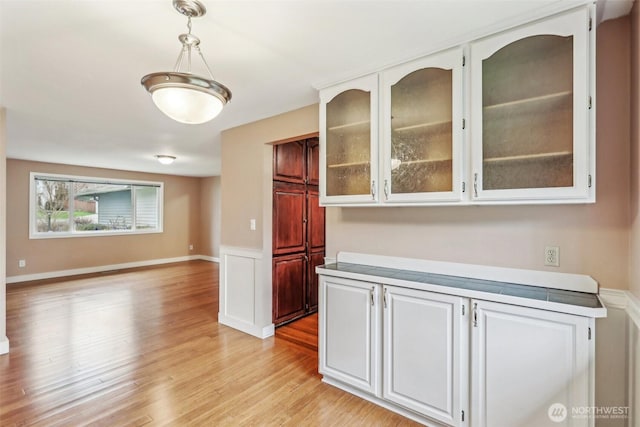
(164, 159)
(181, 95)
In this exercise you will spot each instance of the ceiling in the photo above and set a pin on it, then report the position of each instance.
(70, 69)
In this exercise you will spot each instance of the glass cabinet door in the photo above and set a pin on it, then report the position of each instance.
(530, 111)
(348, 135)
(422, 129)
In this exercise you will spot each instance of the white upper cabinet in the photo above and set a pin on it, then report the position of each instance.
(421, 150)
(531, 113)
(349, 142)
(514, 125)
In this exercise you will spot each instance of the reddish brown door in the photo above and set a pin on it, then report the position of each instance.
(313, 161)
(315, 215)
(289, 278)
(289, 162)
(298, 229)
(315, 260)
(289, 222)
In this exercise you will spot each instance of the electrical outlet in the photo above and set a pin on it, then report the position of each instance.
(552, 256)
(22, 263)
(252, 224)
(190, 247)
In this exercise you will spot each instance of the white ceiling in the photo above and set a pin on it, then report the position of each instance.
(70, 69)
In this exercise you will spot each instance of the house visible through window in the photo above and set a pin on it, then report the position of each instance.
(64, 206)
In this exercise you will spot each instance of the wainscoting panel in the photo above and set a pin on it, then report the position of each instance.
(618, 360)
(242, 300)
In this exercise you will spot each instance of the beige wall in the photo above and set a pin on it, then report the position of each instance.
(3, 225)
(593, 239)
(246, 170)
(210, 217)
(634, 254)
(181, 225)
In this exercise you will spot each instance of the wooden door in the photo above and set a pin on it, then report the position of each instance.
(289, 162)
(289, 221)
(315, 259)
(289, 278)
(315, 217)
(313, 161)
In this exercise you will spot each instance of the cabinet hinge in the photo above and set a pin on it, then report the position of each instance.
(589, 333)
(590, 102)
(464, 186)
(464, 123)
(306, 306)
(463, 416)
(463, 310)
(589, 181)
(464, 60)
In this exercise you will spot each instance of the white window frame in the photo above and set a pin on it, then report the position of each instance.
(35, 234)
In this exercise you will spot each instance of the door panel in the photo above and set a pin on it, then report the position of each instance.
(315, 214)
(289, 227)
(289, 277)
(289, 162)
(312, 294)
(313, 161)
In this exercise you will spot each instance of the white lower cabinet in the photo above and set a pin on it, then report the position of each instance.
(410, 350)
(425, 353)
(529, 367)
(349, 326)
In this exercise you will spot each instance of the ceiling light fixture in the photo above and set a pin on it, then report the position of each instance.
(165, 159)
(181, 95)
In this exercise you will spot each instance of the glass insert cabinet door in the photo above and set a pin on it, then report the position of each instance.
(530, 111)
(348, 146)
(422, 127)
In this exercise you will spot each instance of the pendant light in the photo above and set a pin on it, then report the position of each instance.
(181, 95)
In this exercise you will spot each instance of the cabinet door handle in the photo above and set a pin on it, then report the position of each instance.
(373, 189)
(475, 184)
(373, 290)
(386, 189)
(384, 298)
(475, 314)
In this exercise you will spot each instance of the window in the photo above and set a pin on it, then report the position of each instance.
(69, 206)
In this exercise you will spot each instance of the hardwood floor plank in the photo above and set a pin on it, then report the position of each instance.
(142, 347)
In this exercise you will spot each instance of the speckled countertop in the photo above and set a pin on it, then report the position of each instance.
(572, 302)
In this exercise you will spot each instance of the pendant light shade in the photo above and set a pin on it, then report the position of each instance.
(183, 96)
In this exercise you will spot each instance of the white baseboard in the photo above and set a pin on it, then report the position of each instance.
(251, 329)
(103, 268)
(4, 345)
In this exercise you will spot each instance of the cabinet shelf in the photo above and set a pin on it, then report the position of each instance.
(422, 126)
(350, 126)
(524, 157)
(529, 101)
(423, 161)
(348, 165)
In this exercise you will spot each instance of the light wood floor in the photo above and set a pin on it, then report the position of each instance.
(144, 347)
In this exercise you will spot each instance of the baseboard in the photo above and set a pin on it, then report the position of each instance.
(4, 345)
(256, 331)
(103, 268)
